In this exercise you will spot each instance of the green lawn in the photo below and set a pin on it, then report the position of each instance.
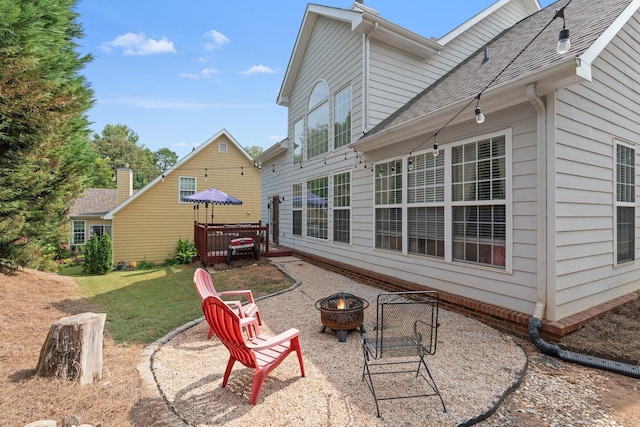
(144, 305)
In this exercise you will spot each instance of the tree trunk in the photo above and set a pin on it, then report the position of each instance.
(73, 349)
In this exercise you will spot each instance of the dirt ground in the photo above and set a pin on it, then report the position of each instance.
(30, 301)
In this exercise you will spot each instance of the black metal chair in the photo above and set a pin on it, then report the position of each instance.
(406, 331)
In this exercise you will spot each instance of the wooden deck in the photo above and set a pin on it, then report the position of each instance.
(212, 242)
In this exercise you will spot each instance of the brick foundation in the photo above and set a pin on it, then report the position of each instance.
(503, 319)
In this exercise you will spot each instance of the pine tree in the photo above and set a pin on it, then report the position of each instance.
(43, 129)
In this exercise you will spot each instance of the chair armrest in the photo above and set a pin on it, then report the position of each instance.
(278, 339)
(250, 321)
(246, 293)
(235, 304)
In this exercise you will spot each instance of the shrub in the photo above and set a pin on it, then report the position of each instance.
(146, 265)
(186, 251)
(98, 255)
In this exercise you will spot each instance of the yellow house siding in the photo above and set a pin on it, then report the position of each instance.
(149, 227)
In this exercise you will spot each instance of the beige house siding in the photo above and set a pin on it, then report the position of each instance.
(149, 227)
(590, 117)
(334, 54)
(396, 77)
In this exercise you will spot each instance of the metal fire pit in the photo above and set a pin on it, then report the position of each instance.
(341, 317)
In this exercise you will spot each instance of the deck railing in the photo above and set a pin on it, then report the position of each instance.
(212, 240)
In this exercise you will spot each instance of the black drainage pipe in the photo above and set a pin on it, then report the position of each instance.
(569, 356)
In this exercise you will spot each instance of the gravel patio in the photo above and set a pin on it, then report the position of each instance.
(474, 367)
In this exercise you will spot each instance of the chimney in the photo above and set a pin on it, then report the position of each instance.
(124, 180)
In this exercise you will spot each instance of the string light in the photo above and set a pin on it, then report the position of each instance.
(564, 44)
(479, 115)
(242, 170)
(206, 175)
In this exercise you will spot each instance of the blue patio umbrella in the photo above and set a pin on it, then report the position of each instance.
(213, 196)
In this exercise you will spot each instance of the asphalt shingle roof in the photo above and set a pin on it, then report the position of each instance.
(95, 201)
(586, 20)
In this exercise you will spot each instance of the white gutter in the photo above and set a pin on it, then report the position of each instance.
(541, 252)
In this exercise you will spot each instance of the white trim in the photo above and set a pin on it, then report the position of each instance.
(589, 55)
(616, 142)
(195, 186)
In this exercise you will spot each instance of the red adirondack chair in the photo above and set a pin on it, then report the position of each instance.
(204, 285)
(261, 352)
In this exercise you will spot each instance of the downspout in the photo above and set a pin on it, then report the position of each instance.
(541, 144)
(535, 323)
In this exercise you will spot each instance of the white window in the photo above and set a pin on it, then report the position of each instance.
(187, 187)
(318, 121)
(317, 215)
(625, 203)
(342, 207)
(222, 147)
(298, 141)
(79, 233)
(479, 209)
(425, 198)
(388, 200)
(99, 230)
(297, 209)
(342, 117)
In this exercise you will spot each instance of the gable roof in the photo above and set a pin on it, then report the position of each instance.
(363, 20)
(177, 166)
(94, 202)
(592, 25)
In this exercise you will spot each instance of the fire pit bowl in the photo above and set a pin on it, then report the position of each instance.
(341, 312)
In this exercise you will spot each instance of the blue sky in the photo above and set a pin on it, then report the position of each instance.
(178, 71)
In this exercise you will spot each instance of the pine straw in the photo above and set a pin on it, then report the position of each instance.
(30, 301)
(615, 336)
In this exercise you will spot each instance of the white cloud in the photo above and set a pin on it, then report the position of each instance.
(276, 138)
(208, 72)
(204, 73)
(190, 76)
(257, 69)
(217, 40)
(139, 44)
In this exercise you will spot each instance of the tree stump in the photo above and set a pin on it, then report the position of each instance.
(73, 349)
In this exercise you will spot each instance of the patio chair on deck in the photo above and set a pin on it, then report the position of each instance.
(405, 333)
(204, 285)
(261, 352)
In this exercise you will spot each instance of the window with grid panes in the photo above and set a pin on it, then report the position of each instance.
(478, 189)
(625, 203)
(297, 209)
(342, 117)
(79, 233)
(342, 207)
(425, 199)
(298, 141)
(186, 187)
(388, 200)
(318, 121)
(317, 212)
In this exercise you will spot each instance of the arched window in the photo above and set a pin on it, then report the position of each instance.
(318, 120)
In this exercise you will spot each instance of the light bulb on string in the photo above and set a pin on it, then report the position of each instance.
(564, 44)
(478, 112)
